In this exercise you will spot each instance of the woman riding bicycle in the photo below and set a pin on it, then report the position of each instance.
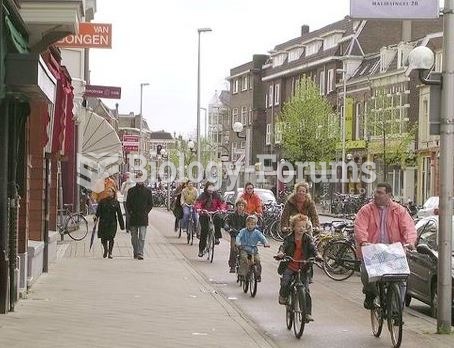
(188, 197)
(300, 246)
(209, 201)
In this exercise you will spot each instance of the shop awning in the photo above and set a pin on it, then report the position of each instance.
(100, 142)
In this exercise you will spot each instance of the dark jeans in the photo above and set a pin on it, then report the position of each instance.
(284, 291)
(233, 252)
(204, 226)
(126, 217)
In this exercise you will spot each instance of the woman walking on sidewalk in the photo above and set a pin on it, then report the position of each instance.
(108, 213)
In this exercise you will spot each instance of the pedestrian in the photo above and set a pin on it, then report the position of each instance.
(127, 184)
(108, 212)
(139, 204)
(176, 207)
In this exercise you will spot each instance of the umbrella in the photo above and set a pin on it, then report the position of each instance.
(93, 234)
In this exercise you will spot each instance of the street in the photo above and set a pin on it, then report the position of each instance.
(337, 306)
(173, 298)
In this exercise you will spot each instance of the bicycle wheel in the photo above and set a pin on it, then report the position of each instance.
(253, 281)
(377, 314)
(299, 312)
(189, 235)
(289, 312)
(394, 310)
(76, 227)
(339, 260)
(211, 246)
(246, 283)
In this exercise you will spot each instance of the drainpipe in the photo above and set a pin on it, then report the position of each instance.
(4, 209)
(46, 214)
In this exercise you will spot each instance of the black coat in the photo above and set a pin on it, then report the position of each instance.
(288, 248)
(109, 212)
(139, 203)
(234, 222)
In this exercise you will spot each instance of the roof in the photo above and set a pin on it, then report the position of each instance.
(161, 135)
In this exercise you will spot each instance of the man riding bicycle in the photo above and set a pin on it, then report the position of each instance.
(382, 221)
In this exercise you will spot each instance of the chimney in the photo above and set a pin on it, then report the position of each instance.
(304, 29)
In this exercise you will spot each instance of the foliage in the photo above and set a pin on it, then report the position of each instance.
(310, 129)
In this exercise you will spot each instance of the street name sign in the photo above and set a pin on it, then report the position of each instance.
(394, 9)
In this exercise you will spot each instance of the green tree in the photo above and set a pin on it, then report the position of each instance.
(310, 128)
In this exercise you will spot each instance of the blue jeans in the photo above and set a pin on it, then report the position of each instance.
(138, 234)
(186, 213)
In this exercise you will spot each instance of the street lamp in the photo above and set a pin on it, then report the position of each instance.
(344, 97)
(199, 31)
(422, 59)
(142, 85)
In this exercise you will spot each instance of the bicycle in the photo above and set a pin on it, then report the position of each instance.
(191, 227)
(249, 282)
(339, 258)
(295, 309)
(389, 307)
(211, 240)
(74, 224)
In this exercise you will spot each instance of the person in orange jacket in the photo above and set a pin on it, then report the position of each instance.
(253, 201)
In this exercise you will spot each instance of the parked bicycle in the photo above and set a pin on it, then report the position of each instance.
(73, 224)
(295, 309)
(389, 306)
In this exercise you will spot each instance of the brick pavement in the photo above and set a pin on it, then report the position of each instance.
(88, 301)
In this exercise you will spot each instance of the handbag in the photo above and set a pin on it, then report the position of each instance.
(385, 259)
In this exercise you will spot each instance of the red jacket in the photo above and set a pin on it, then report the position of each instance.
(253, 203)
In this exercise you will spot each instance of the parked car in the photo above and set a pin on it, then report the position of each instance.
(429, 208)
(265, 195)
(422, 282)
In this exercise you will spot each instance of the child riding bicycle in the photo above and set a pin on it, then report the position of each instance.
(247, 240)
(234, 222)
(300, 246)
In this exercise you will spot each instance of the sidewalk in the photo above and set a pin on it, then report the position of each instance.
(88, 301)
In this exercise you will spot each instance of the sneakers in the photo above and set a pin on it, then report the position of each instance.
(139, 257)
(200, 254)
(369, 302)
(308, 318)
(282, 300)
(135, 257)
(217, 241)
(232, 270)
(259, 279)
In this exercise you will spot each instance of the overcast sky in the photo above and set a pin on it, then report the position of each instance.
(156, 42)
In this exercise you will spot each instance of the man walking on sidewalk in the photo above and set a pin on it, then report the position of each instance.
(138, 203)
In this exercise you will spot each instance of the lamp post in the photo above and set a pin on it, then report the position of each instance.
(199, 31)
(205, 132)
(142, 85)
(344, 100)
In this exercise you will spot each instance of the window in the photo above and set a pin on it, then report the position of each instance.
(278, 133)
(295, 54)
(268, 134)
(331, 41)
(235, 86)
(243, 115)
(277, 93)
(438, 61)
(270, 96)
(330, 80)
(359, 122)
(313, 48)
(243, 144)
(322, 83)
(266, 100)
(250, 115)
(235, 115)
(279, 59)
(244, 83)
